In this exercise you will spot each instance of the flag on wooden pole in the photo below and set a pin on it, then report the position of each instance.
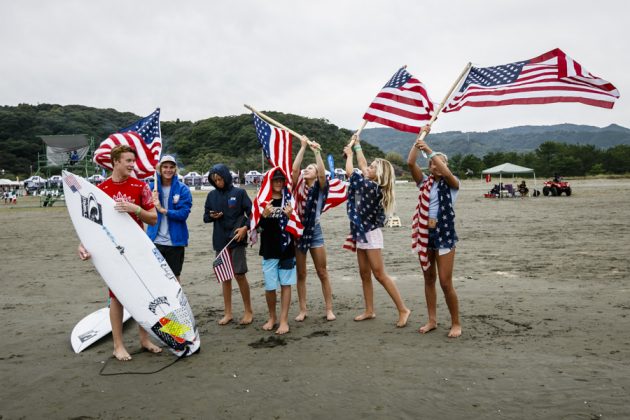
(403, 104)
(548, 78)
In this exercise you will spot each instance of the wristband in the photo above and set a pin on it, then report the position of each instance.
(356, 148)
(138, 210)
(316, 151)
(432, 155)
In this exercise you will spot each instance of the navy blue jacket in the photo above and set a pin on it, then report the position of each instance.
(235, 205)
(179, 205)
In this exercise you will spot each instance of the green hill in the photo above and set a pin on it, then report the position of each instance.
(521, 139)
(198, 145)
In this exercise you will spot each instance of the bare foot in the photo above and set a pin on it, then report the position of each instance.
(150, 347)
(330, 315)
(365, 316)
(403, 317)
(268, 326)
(283, 328)
(456, 331)
(225, 320)
(301, 316)
(247, 319)
(429, 326)
(122, 354)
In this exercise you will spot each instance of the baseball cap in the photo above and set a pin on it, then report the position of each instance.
(168, 158)
(278, 175)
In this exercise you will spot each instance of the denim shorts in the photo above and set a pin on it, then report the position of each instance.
(433, 235)
(318, 237)
(278, 273)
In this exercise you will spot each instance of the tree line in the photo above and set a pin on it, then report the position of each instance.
(232, 140)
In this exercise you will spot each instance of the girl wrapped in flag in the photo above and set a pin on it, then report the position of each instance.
(433, 231)
(314, 194)
(370, 197)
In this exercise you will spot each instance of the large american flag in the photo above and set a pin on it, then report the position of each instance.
(548, 78)
(290, 225)
(402, 104)
(276, 144)
(222, 265)
(144, 136)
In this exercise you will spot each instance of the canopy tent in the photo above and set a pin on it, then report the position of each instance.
(62, 149)
(508, 169)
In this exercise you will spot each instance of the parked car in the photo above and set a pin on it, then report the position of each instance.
(96, 179)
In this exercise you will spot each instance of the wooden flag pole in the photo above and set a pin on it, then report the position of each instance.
(277, 124)
(358, 133)
(463, 74)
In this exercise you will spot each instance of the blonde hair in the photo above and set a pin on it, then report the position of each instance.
(385, 178)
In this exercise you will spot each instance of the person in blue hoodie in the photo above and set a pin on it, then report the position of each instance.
(229, 208)
(173, 202)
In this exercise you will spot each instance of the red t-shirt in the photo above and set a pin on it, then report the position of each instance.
(130, 190)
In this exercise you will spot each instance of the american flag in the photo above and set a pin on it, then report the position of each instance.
(337, 194)
(403, 104)
(420, 224)
(277, 145)
(290, 225)
(222, 265)
(72, 182)
(144, 136)
(548, 78)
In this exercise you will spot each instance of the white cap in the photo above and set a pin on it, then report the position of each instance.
(168, 158)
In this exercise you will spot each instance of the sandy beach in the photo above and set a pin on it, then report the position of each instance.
(544, 289)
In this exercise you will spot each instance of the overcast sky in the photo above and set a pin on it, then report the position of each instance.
(323, 59)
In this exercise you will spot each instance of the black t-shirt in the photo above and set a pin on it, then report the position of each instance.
(271, 235)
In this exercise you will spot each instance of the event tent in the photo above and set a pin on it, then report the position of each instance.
(508, 169)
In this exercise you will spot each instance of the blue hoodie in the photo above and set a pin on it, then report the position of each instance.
(178, 211)
(235, 205)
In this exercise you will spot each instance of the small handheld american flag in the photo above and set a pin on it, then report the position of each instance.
(222, 265)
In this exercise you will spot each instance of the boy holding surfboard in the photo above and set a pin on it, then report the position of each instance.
(134, 197)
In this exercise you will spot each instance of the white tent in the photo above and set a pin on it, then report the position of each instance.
(508, 169)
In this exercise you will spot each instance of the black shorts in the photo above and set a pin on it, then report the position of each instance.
(174, 256)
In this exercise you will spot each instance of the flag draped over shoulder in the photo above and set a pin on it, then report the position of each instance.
(143, 136)
(289, 225)
(402, 104)
(331, 195)
(420, 222)
(337, 194)
(222, 265)
(548, 78)
(277, 145)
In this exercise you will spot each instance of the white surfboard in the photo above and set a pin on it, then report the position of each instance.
(92, 328)
(131, 266)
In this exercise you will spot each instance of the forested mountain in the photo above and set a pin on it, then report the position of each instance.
(231, 140)
(516, 139)
(567, 149)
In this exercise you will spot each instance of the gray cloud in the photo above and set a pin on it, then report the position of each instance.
(328, 59)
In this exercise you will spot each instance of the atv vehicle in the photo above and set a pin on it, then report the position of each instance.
(556, 188)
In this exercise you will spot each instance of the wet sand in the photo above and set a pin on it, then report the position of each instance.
(544, 291)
